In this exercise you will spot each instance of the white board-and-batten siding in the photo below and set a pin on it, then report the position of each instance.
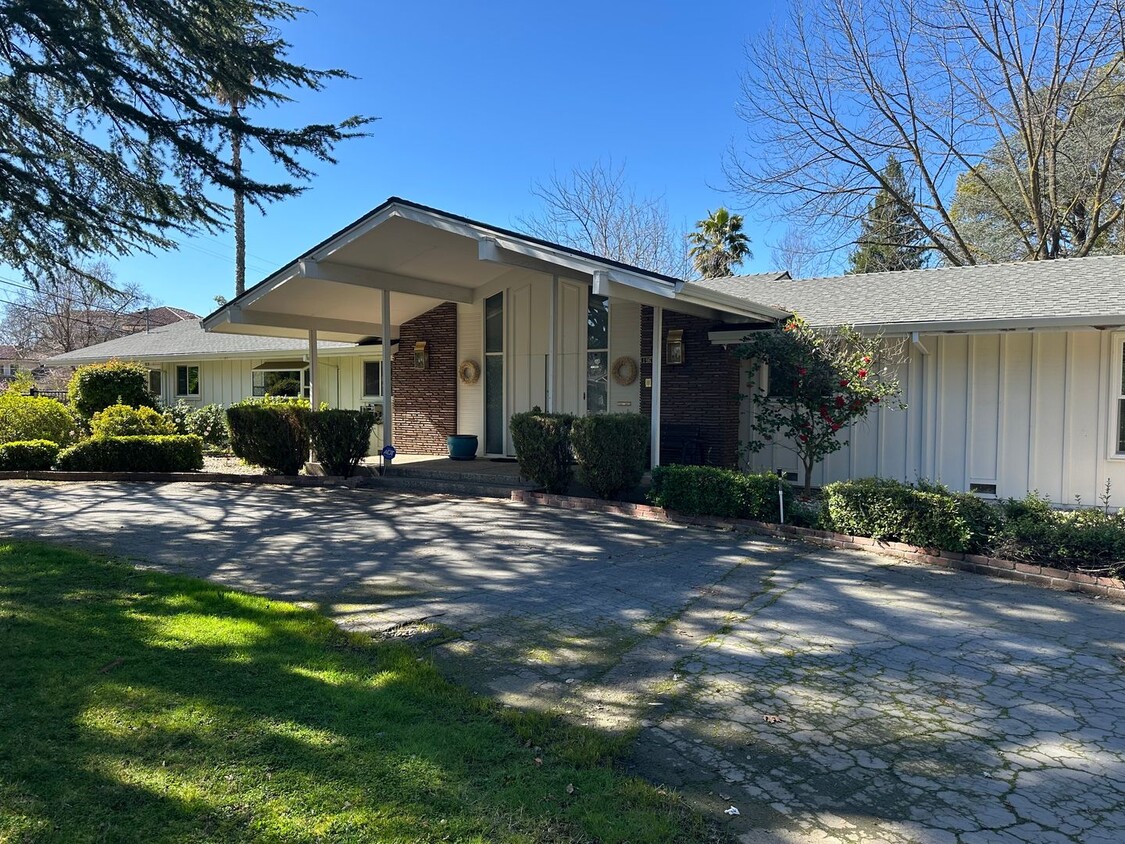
(1021, 410)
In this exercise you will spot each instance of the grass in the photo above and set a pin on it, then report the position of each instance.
(138, 706)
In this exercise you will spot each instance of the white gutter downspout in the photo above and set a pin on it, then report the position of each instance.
(917, 343)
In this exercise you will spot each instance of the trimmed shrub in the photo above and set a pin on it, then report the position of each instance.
(95, 387)
(120, 420)
(172, 453)
(1071, 539)
(28, 456)
(209, 423)
(710, 491)
(875, 507)
(610, 449)
(340, 439)
(542, 442)
(24, 418)
(273, 435)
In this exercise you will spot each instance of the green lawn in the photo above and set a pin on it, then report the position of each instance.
(136, 706)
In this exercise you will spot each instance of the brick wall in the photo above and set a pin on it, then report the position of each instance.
(425, 401)
(702, 391)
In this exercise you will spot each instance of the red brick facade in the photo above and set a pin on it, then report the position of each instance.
(425, 400)
(703, 391)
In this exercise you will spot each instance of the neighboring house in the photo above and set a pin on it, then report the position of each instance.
(186, 364)
(11, 362)
(1013, 376)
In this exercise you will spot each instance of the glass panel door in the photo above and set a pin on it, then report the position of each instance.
(597, 354)
(494, 374)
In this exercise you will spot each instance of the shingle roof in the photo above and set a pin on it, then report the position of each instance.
(1068, 291)
(184, 339)
(739, 285)
(9, 352)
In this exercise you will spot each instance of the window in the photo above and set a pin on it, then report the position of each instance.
(372, 378)
(1121, 402)
(187, 380)
(597, 354)
(156, 382)
(280, 382)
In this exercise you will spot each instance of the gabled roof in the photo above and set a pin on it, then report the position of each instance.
(9, 352)
(185, 339)
(1029, 294)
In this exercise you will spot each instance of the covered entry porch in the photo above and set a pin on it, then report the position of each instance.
(481, 322)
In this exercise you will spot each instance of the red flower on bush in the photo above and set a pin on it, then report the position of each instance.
(835, 426)
(801, 370)
(839, 401)
(803, 438)
(844, 382)
(875, 400)
(862, 373)
(866, 359)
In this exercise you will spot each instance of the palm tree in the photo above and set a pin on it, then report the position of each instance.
(718, 244)
(235, 101)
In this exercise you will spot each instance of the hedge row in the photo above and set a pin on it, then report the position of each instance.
(134, 454)
(28, 456)
(609, 449)
(710, 491)
(279, 434)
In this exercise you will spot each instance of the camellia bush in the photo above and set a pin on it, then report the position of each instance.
(819, 383)
(95, 387)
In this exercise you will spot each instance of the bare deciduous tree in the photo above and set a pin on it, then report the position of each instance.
(69, 312)
(596, 210)
(996, 92)
(801, 255)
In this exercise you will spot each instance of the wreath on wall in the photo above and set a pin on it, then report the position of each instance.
(469, 372)
(624, 370)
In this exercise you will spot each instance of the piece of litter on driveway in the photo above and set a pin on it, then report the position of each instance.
(732, 811)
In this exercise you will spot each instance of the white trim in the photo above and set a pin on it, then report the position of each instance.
(1117, 349)
(654, 403)
(379, 280)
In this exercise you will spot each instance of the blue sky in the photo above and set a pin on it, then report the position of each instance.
(478, 101)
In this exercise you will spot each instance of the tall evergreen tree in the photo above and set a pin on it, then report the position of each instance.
(889, 238)
(112, 133)
(719, 244)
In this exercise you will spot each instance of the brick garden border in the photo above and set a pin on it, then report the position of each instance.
(186, 477)
(1043, 576)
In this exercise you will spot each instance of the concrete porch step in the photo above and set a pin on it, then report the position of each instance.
(490, 487)
(467, 475)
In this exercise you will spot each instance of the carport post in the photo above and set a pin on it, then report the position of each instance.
(654, 431)
(314, 377)
(385, 345)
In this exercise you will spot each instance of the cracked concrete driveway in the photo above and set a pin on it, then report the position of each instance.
(829, 696)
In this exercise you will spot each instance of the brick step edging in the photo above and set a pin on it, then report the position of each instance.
(1036, 575)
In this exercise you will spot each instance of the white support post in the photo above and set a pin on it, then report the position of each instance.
(385, 340)
(657, 357)
(553, 345)
(314, 376)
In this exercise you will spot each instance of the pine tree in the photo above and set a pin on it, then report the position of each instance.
(111, 129)
(889, 238)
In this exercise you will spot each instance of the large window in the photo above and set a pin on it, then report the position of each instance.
(372, 379)
(187, 380)
(597, 354)
(280, 382)
(494, 374)
(156, 382)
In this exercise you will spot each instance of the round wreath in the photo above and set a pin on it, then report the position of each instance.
(469, 372)
(625, 371)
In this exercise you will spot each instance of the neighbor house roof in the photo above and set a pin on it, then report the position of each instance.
(1029, 294)
(185, 339)
(9, 352)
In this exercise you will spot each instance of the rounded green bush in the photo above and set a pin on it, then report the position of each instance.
(25, 418)
(97, 386)
(119, 420)
(134, 454)
(610, 449)
(542, 442)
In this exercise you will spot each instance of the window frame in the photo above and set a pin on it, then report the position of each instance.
(159, 373)
(597, 350)
(377, 363)
(1117, 398)
(187, 380)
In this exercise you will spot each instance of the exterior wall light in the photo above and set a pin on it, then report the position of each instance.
(674, 347)
(421, 355)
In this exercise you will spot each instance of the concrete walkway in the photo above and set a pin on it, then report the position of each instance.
(829, 696)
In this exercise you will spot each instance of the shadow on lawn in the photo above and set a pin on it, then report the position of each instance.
(137, 707)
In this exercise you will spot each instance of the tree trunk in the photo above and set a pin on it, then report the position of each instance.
(239, 210)
(808, 477)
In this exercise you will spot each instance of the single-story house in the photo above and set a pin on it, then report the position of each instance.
(1013, 377)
